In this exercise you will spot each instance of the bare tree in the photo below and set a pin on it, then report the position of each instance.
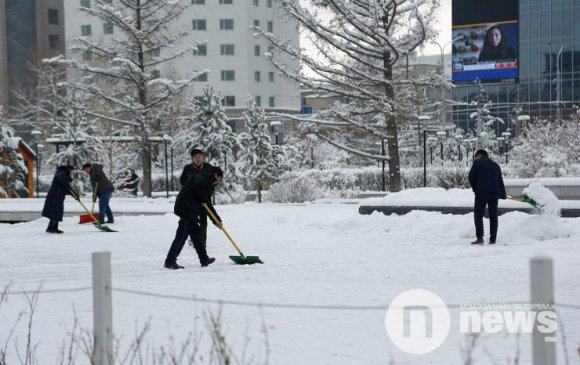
(359, 45)
(124, 72)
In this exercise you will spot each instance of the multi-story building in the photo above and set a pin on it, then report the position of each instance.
(549, 60)
(30, 30)
(232, 53)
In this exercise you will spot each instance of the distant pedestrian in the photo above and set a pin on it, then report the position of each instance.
(104, 190)
(54, 204)
(196, 191)
(486, 182)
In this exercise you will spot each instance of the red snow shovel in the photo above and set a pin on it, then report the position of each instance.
(86, 218)
(242, 259)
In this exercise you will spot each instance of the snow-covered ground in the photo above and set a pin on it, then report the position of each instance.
(315, 254)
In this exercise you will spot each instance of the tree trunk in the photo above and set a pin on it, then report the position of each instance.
(146, 186)
(393, 138)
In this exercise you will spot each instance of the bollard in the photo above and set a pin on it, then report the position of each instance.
(102, 308)
(542, 292)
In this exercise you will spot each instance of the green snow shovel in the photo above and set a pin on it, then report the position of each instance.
(524, 199)
(242, 259)
(99, 226)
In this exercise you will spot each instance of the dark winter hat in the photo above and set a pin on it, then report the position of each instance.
(482, 153)
(218, 171)
(196, 151)
(87, 165)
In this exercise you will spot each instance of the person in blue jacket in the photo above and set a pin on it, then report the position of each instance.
(54, 203)
(487, 183)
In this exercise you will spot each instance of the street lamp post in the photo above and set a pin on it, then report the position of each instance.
(459, 139)
(506, 135)
(424, 158)
(441, 135)
(36, 134)
(559, 84)
(383, 163)
(165, 139)
(431, 141)
(442, 49)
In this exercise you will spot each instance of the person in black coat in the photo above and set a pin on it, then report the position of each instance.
(195, 167)
(196, 191)
(486, 182)
(54, 203)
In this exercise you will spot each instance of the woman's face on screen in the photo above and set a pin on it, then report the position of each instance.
(494, 37)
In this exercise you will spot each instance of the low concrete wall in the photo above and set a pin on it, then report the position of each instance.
(401, 210)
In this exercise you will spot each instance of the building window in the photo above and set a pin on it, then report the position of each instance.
(269, 3)
(108, 28)
(258, 100)
(155, 74)
(228, 75)
(256, 2)
(201, 78)
(257, 51)
(86, 30)
(270, 76)
(53, 16)
(155, 52)
(226, 24)
(229, 101)
(86, 4)
(226, 1)
(256, 23)
(271, 102)
(227, 49)
(198, 2)
(257, 76)
(201, 50)
(53, 41)
(270, 27)
(199, 24)
(87, 56)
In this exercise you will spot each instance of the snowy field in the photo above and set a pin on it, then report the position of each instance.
(318, 254)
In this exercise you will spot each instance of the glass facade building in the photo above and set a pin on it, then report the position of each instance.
(548, 34)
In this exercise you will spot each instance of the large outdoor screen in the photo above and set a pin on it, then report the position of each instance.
(485, 41)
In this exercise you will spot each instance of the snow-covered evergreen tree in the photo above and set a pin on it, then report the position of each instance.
(359, 44)
(260, 162)
(124, 72)
(12, 168)
(207, 128)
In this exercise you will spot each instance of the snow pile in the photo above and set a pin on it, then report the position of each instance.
(547, 201)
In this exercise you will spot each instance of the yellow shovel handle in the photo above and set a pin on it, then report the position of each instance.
(213, 217)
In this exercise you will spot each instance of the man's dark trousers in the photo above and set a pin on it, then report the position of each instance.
(186, 228)
(481, 200)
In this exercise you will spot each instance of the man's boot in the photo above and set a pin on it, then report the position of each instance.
(478, 241)
(173, 265)
(209, 261)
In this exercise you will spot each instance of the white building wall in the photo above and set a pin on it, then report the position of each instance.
(286, 94)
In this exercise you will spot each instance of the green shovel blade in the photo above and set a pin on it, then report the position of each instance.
(246, 260)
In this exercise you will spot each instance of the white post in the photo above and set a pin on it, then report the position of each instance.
(102, 308)
(542, 292)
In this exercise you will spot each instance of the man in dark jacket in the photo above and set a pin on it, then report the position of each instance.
(54, 203)
(197, 190)
(195, 167)
(104, 187)
(487, 184)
